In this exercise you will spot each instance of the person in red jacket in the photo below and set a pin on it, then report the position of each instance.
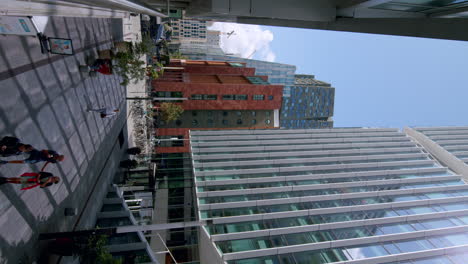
(29, 180)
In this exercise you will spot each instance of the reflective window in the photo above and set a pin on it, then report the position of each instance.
(240, 97)
(197, 97)
(256, 80)
(433, 260)
(413, 245)
(210, 97)
(437, 223)
(366, 251)
(393, 229)
(258, 97)
(458, 258)
(455, 239)
(353, 232)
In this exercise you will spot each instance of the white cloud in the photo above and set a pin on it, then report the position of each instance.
(247, 40)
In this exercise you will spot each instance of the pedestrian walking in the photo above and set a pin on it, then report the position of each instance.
(30, 180)
(10, 146)
(35, 156)
(105, 112)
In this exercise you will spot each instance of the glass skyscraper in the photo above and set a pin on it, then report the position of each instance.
(345, 195)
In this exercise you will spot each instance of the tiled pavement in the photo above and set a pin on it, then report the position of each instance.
(43, 99)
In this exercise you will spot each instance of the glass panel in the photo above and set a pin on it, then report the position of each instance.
(393, 229)
(236, 245)
(433, 260)
(459, 258)
(380, 213)
(437, 195)
(335, 255)
(464, 219)
(453, 206)
(366, 251)
(455, 239)
(353, 232)
(413, 245)
(437, 223)
(341, 217)
(309, 257)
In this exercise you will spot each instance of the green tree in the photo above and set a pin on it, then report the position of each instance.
(129, 63)
(170, 111)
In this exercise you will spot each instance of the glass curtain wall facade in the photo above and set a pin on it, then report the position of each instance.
(348, 195)
(174, 203)
(128, 247)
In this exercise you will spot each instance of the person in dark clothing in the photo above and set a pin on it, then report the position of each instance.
(15, 150)
(36, 156)
(31, 180)
(10, 146)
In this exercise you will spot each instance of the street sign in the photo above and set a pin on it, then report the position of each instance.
(60, 46)
(13, 25)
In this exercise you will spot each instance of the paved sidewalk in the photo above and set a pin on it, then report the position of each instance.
(43, 102)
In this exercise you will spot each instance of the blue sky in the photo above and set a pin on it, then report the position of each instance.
(382, 81)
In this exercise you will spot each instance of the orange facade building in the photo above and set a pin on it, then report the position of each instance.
(214, 95)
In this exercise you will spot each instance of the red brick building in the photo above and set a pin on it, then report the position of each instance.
(214, 95)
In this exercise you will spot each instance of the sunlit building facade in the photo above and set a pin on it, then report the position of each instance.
(310, 104)
(346, 195)
(452, 139)
(307, 102)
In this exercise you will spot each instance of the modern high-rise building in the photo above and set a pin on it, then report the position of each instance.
(309, 105)
(214, 94)
(344, 195)
(307, 102)
(189, 31)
